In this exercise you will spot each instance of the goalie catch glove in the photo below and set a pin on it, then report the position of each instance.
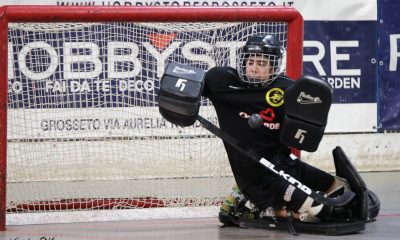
(180, 92)
(307, 103)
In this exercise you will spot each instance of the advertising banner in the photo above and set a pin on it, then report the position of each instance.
(340, 53)
(339, 39)
(389, 65)
(318, 10)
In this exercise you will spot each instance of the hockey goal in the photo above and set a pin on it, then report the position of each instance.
(80, 128)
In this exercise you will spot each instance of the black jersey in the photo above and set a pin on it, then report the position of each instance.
(234, 104)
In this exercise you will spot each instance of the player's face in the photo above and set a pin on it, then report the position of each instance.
(258, 67)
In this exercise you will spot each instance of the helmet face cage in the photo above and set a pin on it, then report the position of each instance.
(258, 69)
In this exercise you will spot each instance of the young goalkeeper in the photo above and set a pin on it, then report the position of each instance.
(256, 87)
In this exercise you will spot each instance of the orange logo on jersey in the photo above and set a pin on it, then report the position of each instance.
(274, 97)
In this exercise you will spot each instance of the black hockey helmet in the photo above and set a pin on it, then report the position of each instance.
(268, 47)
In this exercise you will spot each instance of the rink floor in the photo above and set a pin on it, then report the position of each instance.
(387, 226)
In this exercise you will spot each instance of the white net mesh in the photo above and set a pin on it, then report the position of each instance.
(84, 130)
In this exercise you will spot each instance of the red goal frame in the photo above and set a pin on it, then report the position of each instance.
(135, 14)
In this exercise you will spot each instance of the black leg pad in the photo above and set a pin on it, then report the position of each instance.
(346, 170)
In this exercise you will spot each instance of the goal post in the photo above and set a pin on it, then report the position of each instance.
(79, 123)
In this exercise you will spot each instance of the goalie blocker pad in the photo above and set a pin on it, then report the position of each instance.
(307, 103)
(367, 205)
(180, 92)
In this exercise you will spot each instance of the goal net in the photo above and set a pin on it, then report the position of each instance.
(83, 128)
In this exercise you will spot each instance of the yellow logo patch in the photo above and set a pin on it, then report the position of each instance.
(274, 97)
